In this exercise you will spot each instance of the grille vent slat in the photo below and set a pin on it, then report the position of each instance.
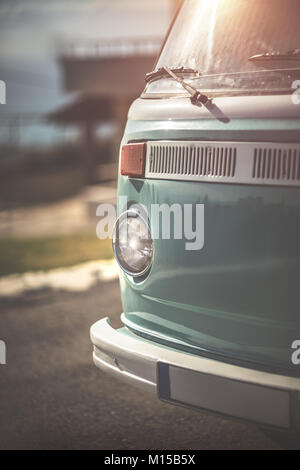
(225, 162)
(276, 164)
(185, 160)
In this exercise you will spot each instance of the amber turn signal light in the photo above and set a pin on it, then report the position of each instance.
(133, 158)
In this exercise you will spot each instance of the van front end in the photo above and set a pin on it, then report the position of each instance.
(211, 303)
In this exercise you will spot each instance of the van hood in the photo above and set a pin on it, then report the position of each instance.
(224, 108)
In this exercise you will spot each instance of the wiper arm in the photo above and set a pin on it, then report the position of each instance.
(162, 71)
(291, 58)
(197, 97)
(294, 52)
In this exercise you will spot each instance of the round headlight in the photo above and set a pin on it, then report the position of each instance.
(132, 243)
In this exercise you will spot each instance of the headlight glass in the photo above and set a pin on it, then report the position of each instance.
(132, 243)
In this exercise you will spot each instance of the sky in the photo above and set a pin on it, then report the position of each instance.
(22, 22)
(30, 31)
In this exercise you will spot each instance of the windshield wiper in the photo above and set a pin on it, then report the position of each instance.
(158, 73)
(196, 96)
(291, 59)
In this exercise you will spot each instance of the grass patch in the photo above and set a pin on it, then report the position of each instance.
(20, 255)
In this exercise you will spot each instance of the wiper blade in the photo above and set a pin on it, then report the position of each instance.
(294, 52)
(291, 59)
(158, 73)
(197, 97)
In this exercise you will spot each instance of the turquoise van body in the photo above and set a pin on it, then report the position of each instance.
(238, 298)
(217, 328)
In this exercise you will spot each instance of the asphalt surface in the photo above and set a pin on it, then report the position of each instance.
(53, 397)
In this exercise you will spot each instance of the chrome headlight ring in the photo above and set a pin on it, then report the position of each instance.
(133, 243)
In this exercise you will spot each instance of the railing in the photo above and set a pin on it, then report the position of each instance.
(102, 48)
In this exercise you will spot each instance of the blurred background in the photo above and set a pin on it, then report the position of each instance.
(71, 69)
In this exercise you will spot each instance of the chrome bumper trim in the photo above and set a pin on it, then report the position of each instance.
(134, 360)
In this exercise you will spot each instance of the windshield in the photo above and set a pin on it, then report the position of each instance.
(219, 37)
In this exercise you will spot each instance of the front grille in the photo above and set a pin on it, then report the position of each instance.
(224, 162)
(193, 160)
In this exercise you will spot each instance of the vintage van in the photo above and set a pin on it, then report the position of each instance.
(214, 323)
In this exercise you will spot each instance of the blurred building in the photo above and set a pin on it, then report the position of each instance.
(114, 67)
(67, 105)
(106, 77)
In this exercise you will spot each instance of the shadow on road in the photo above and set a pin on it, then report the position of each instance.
(52, 396)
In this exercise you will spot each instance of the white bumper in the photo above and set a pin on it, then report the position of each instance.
(135, 360)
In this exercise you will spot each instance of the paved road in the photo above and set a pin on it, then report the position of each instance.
(69, 215)
(52, 397)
